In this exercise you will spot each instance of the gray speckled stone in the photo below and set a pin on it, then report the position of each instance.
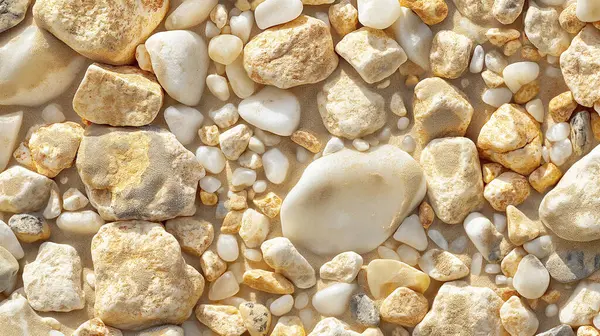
(12, 12)
(363, 310)
(567, 264)
(561, 330)
(581, 133)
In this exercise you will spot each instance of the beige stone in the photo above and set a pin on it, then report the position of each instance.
(270, 204)
(521, 229)
(232, 222)
(18, 319)
(212, 265)
(29, 228)
(344, 267)
(587, 331)
(54, 147)
(517, 318)
(545, 177)
(269, 282)
(426, 215)
(209, 135)
(343, 17)
(194, 236)
(234, 141)
(507, 11)
(491, 171)
(478, 11)
(289, 326)
(507, 189)
(284, 258)
(22, 190)
(492, 80)
(581, 69)
(562, 106)
(13, 12)
(569, 21)
(385, 275)
(544, 31)
(442, 265)
(208, 198)
(499, 36)
(511, 47)
(510, 263)
(224, 320)
(530, 53)
(237, 200)
(118, 96)
(9, 267)
(551, 296)
(95, 327)
(308, 140)
(257, 318)
(430, 11)
(450, 54)
(527, 92)
(404, 307)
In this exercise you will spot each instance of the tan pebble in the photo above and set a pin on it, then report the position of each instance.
(289, 326)
(491, 171)
(595, 120)
(209, 135)
(527, 92)
(426, 214)
(562, 106)
(492, 79)
(521, 229)
(404, 307)
(343, 17)
(450, 54)
(511, 47)
(224, 320)
(194, 236)
(307, 140)
(232, 222)
(430, 11)
(510, 263)
(568, 19)
(269, 282)
(270, 204)
(29, 228)
(385, 275)
(507, 189)
(256, 317)
(208, 198)
(530, 53)
(587, 331)
(552, 296)
(546, 176)
(212, 265)
(500, 36)
(411, 81)
(506, 293)
(237, 200)
(218, 15)
(533, 303)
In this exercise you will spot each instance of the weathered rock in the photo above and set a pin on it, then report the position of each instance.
(440, 110)
(296, 53)
(10, 125)
(343, 267)
(54, 147)
(194, 236)
(562, 106)
(580, 68)
(13, 12)
(582, 306)
(478, 11)
(212, 265)
(561, 330)
(385, 275)
(289, 326)
(18, 319)
(507, 189)
(269, 282)
(450, 54)
(144, 173)
(234, 141)
(143, 253)
(581, 133)
(489, 242)
(118, 96)
(343, 17)
(521, 229)
(282, 256)
(510, 263)
(462, 309)
(442, 265)
(22, 190)
(507, 11)
(517, 318)
(332, 326)
(9, 266)
(569, 21)
(29, 228)
(95, 327)
(531, 279)
(454, 180)
(544, 31)
(431, 12)
(97, 29)
(35, 67)
(348, 108)
(544, 177)
(359, 190)
(569, 263)
(364, 311)
(224, 320)
(257, 318)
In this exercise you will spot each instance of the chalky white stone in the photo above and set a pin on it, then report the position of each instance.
(189, 13)
(301, 301)
(403, 123)
(241, 25)
(476, 264)
(273, 110)
(218, 86)
(361, 211)
(588, 10)
(284, 258)
(210, 184)
(378, 14)
(532, 278)
(227, 247)
(497, 97)
(540, 247)
(211, 158)
(333, 300)
(256, 145)
(558, 132)
(438, 238)
(241, 84)
(561, 151)
(536, 109)
(259, 186)
(518, 74)
(499, 222)
(414, 36)
(54, 206)
(477, 60)
(254, 228)
(10, 125)
(225, 116)
(225, 286)
(334, 145)
(408, 144)
(360, 145)
(85, 222)
(9, 241)
(282, 305)
(225, 48)
(243, 177)
(408, 255)
(253, 255)
(53, 113)
(184, 122)
(73, 200)
(276, 165)
(489, 242)
(387, 253)
(274, 12)
(412, 233)
(582, 306)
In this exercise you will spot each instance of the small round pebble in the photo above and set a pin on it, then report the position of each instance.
(53, 113)
(210, 184)
(408, 144)
(85, 222)
(276, 165)
(253, 255)
(334, 144)
(211, 158)
(282, 305)
(227, 247)
(403, 123)
(558, 132)
(492, 268)
(552, 310)
(301, 301)
(243, 177)
(259, 186)
(360, 145)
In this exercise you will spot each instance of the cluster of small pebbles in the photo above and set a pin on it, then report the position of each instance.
(300, 167)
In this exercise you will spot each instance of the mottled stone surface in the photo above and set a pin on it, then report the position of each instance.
(22, 190)
(569, 263)
(543, 29)
(581, 68)
(18, 319)
(54, 147)
(12, 12)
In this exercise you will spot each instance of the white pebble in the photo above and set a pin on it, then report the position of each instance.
(302, 154)
(218, 86)
(307, 316)
(518, 74)
(492, 268)
(241, 84)
(478, 59)
(243, 177)
(225, 48)
(540, 247)
(360, 145)
(387, 253)
(458, 245)
(282, 305)
(269, 139)
(190, 13)
(253, 255)
(52, 113)
(499, 222)
(497, 97)
(55, 333)
(184, 122)
(437, 237)
(500, 279)
(536, 109)
(74, 200)
(211, 158)
(333, 300)
(256, 145)
(274, 12)
(408, 144)
(412, 233)
(596, 321)
(385, 134)
(227, 247)
(54, 206)
(378, 14)
(545, 154)
(334, 144)
(553, 72)
(238, 270)
(225, 286)
(225, 116)
(218, 15)
(259, 186)
(531, 279)
(588, 10)
(82, 222)
(301, 301)
(241, 25)
(552, 310)
(90, 278)
(276, 165)
(476, 263)
(414, 36)
(221, 211)
(210, 184)
(403, 123)
(9, 241)
(495, 61)
(558, 132)
(408, 255)
(273, 110)
(561, 151)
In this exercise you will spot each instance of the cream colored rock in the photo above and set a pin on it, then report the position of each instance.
(507, 189)
(18, 319)
(510, 263)
(22, 190)
(224, 320)
(97, 29)
(282, 256)
(517, 318)
(269, 282)
(385, 275)
(507, 11)
(582, 306)
(580, 68)
(478, 11)
(146, 160)
(10, 125)
(442, 266)
(512, 138)
(13, 12)
(404, 307)
(118, 96)
(29, 228)
(545, 177)
(343, 267)
(164, 330)
(372, 53)
(53, 147)
(9, 267)
(143, 253)
(296, 53)
(289, 326)
(234, 141)
(343, 17)
(521, 229)
(332, 326)
(454, 178)
(95, 327)
(254, 229)
(194, 236)
(450, 54)
(212, 265)
(257, 318)
(544, 31)
(531, 279)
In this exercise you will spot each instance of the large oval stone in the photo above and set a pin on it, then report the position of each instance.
(352, 201)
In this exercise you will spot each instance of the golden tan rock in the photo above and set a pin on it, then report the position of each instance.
(521, 229)
(232, 222)
(385, 275)
(517, 318)
(223, 320)
(95, 327)
(492, 79)
(491, 171)
(212, 265)
(426, 215)
(587, 331)
(270, 204)
(404, 307)
(562, 106)
(499, 36)
(546, 176)
(54, 147)
(527, 92)
(430, 11)
(307, 139)
(194, 236)
(580, 67)
(256, 318)
(208, 198)
(511, 47)
(209, 135)
(507, 189)
(551, 296)
(450, 54)
(569, 21)
(269, 282)
(511, 261)
(343, 17)
(289, 326)
(595, 123)
(29, 228)
(530, 53)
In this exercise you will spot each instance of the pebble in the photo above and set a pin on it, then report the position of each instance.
(408, 144)
(259, 186)
(54, 206)
(227, 247)
(404, 307)
(450, 54)
(308, 140)
(507, 189)
(500, 222)
(209, 135)
(289, 326)
(582, 306)
(540, 247)
(22, 190)
(476, 263)
(284, 258)
(492, 80)
(492, 268)
(581, 133)
(403, 123)
(241, 25)
(542, 27)
(561, 151)
(531, 279)
(273, 110)
(9, 267)
(95, 326)
(561, 330)
(218, 15)
(10, 125)
(256, 145)
(190, 13)
(489, 242)
(234, 141)
(333, 300)
(282, 305)
(251, 160)
(184, 122)
(54, 147)
(225, 116)
(210, 184)
(194, 236)
(442, 266)
(74, 200)
(343, 267)
(276, 165)
(225, 286)
(385, 275)
(301, 301)
(431, 12)
(343, 17)
(221, 319)
(519, 74)
(241, 84)
(414, 36)
(438, 238)
(275, 12)
(536, 109)
(477, 61)
(211, 158)
(507, 11)
(387, 253)
(334, 145)
(53, 113)
(212, 265)
(588, 10)
(495, 61)
(29, 228)
(378, 14)
(364, 311)
(408, 255)
(517, 318)
(521, 229)
(551, 310)
(252, 255)
(558, 132)
(411, 232)
(329, 326)
(497, 97)
(243, 177)
(254, 229)
(256, 318)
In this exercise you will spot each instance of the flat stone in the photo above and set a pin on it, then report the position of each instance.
(385, 275)
(9, 267)
(113, 40)
(224, 320)
(543, 30)
(18, 319)
(366, 187)
(517, 318)
(284, 258)
(257, 318)
(342, 268)
(442, 266)
(142, 253)
(579, 67)
(454, 178)
(10, 125)
(22, 190)
(144, 173)
(13, 12)
(54, 147)
(450, 54)
(118, 96)
(29, 228)
(273, 110)
(364, 311)
(582, 306)
(334, 299)
(296, 53)
(194, 236)
(404, 307)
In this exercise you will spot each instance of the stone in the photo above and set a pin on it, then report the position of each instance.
(308, 219)
(224, 287)
(9, 267)
(54, 147)
(189, 14)
(561, 330)
(489, 242)
(296, 53)
(164, 330)
(510, 263)
(568, 263)
(521, 229)
(43, 69)
(85, 222)
(480, 12)
(113, 40)
(545, 177)
(282, 305)
(517, 318)
(212, 265)
(273, 110)
(587, 331)
(10, 125)
(460, 308)
(271, 13)
(256, 318)
(241, 84)
(343, 267)
(126, 252)
(582, 306)
(224, 320)
(507, 189)
(385, 275)
(184, 122)
(348, 108)
(569, 21)
(118, 96)
(454, 178)
(527, 92)
(282, 256)
(412, 233)
(332, 326)
(225, 48)
(254, 229)
(431, 12)
(426, 215)
(491, 171)
(270, 204)
(74, 200)
(268, 282)
(288, 326)
(29, 228)
(13, 12)
(181, 74)
(442, 266)
(531, 279)
(22, 190)
(500, 36)
(17, 318)
(194, 236)
(562, 106)
(579, 67)
(581, 133)
(343, 17)
(234, 141)
(9, 241)
(53, 281)
(228, 247)
(135, 161)
(209, 135)
(543, 30)
(440, 110)
(404, 307)
(492, 80)
(450, 54)
(378, 14)
(334, 299)
(588, 11)
(540, 247)
(307, 139)
(507, 11)
(95, 327)
(364, 311)
(414, 36)
(372, 53)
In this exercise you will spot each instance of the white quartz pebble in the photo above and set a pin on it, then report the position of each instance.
(558, 132)
(273, 110)
(378, 14)
(282, 305)
(9, 241)
(499, 222)
(536, 109)
(256, 145)
(211, 158)
(500, 279)
(308, 318)
(387, 253)
(270, 13)
(334, 144)
(414, 36)
(85, 222)
(588, 10)
(408, 144)
(218, 86)
(561, 151)
(225, 286)
(243, 177)
(190, 13)
(476, 263)
(241, 84)
(54, 206)
(596, 321)
(241, 25)
(73, 200)
(497, 97)
(53, 113)
(408, 255)
(10, 124)
(518, 74)
(253, 255)
(495, 61)
(276, 165)
(412, 233)
(227, 247)
(540, 247)
(210, 184)
(268, 139)
(458, 245)
(545, 154)
(143, 58)
(211, 30)
(183, 122)
(225, 48)
(360, 145)
(403, 123)
(302, 154)
(492, 268)
(301, 301)
(333, 300)
(551, 310)
(259, 186)
(531, 279)
(477, 60)
(437, 237)
(90, 278)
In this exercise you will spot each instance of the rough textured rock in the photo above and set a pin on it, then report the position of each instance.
(145, 254)
(450, 54)
(9, 267)
(13, 12)
(478, 11)
(97, 29)
(194, 236)
(385, 275)
(29, 228)
(581, 133)
(440, 110)
(404, 307)
(257, 318)
(54, 147)
(517, 318)
(289, 326)
(582, 306)
(521, 229)
(22, 190)
(296, 53)
(431, 12)
(454, 178)
(224, 320)
(95, 327)
(507, 11)
(580, 67)
(343, 267)
(269, 282)
(375, 190)
(462, 309)
(442, 265)
(364, 311)
(144, 173)
(118, 96)
(332, 326)
(164, 330)
(544, 31)
(349, 108)
(343, 17)
(282, 256)
(507, 189)
(569, 263)
(17, 318)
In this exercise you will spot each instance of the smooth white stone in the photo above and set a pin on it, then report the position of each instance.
(387, 253)
(437, 237)
(255, 228)
(308, 318)
(545, 154)
(267, 138)
(500, 280)
(333, 300)
(227, 247)
(225, 116)
(276, 165)
(499, 222)
(477, 60)
(536, 109)
(241, 25)
(540, 247)
(241, 84)
(211, 30)
(582, 306)
(218, 86)
(551, 310)
(301, 301)
(282, 305)
(253, 255)
(408, 144)
(54, 206)
(414, 36)
(497, 97)
(495, 61)
(558, 132)
(90, 279)
(243, 177)
(334, 145)
(184, 122)
(588, 10)
(378, 14)
(596, 321)
(403, 123)
(360, 145)
(273, 110)
(476, 263)
(52, 114)
(259, 186)
(458, 245)
(225, 286)
(9, 241)
(302, 154)
(210, 184)
(10, 125)
(408, 255)
(385, 134)
(492, 268)
(73, 200)
(412, 233)
(274, 12)
(561, 151)
(531, 279)
(189, 14)
(256, 145)
(225, 48)
(85, 222)
(518, 74)
(211, 158)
